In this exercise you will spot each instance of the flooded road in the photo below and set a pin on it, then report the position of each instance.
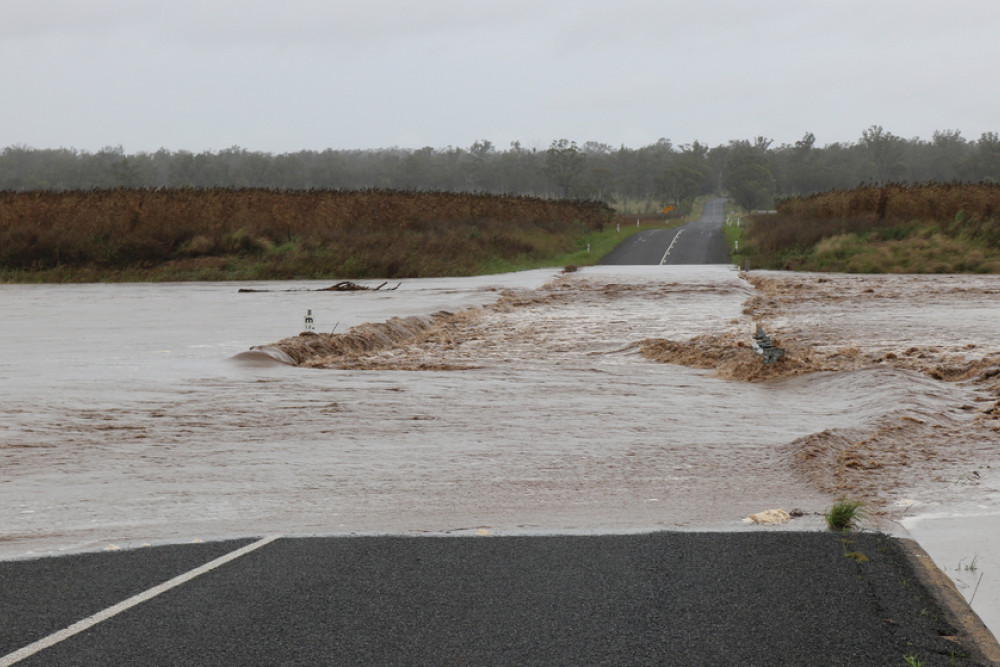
(536, 403)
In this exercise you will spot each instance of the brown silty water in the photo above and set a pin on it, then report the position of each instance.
(943, 328)
(614, 399)
(929, 332)
(575, 430)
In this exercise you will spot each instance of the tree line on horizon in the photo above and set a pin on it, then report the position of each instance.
(753, 172)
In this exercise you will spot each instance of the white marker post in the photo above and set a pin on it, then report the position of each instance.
(310, 326)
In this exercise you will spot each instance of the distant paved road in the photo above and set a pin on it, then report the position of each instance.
(701, 242)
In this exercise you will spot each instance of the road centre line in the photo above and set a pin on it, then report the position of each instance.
(671, 247)
(104, 615)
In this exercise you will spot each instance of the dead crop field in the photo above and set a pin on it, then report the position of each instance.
(223, 233)
(928, 228)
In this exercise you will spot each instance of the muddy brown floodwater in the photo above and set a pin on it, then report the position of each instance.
(926, 343)
(615, 399)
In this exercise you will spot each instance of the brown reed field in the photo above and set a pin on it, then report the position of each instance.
(221, 233)
(926, 228)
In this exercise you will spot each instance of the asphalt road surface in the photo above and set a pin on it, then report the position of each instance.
(750, 598)
(701, 242)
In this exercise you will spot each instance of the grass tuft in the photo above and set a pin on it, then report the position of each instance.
(844, 515)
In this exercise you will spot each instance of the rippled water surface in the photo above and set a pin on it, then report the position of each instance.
(126, 419)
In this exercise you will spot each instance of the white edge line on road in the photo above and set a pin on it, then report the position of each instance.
(671, 247)
(91, 621)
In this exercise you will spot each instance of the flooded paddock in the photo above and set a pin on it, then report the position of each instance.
(616, 399)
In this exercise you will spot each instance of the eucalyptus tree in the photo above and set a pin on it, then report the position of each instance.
(748, 178)
(688, 176)
(884, 150)
(986, 162)
(564, 165)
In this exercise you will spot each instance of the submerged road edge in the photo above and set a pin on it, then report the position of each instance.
(973, 633)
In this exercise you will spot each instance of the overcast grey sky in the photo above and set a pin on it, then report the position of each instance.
(314, 74)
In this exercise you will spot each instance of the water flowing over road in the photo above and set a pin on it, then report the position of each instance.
(126, 419)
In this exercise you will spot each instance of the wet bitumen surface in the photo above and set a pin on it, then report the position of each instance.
(699, 242)
(742, 598)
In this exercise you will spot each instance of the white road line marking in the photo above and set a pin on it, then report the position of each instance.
(91, 621)
(671, 247)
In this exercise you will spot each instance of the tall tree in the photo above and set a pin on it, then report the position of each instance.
(950, 155)
(690, 175)
(564, 164)
(987, 159)
(884, 150)
(748, 178)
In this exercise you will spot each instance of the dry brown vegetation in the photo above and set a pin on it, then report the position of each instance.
(929, 228)
(256, 233)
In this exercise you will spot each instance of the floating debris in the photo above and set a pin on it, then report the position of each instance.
(342, 286)
(769, 517)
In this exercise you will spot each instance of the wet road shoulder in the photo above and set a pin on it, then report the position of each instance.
(762, 598)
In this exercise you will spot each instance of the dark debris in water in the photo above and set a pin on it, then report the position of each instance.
(342, 286)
